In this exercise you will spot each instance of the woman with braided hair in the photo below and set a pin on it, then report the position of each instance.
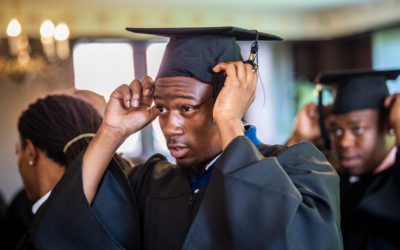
(53, 131)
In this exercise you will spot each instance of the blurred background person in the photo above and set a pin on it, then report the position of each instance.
(364, 133)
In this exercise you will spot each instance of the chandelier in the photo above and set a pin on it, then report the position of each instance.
(20, 64)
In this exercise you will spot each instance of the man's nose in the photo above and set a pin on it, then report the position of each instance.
(173, 124)
(347, 140)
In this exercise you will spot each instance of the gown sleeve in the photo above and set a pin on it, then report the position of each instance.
(67, 221)
(290, 201)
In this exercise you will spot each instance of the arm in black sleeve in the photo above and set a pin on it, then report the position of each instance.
(67, 221)
(254, 202)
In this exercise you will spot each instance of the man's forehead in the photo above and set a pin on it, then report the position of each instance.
(178, 81)
(364, 115)
(180, 86)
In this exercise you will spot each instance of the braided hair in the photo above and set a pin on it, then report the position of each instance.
(51, 122)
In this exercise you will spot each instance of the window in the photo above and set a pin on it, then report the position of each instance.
(101, 67)
(386, 53)
(154, 54)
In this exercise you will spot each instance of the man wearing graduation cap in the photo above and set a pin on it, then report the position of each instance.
(364, 129)
(226, 191)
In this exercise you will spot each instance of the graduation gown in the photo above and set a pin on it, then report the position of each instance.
(2, 206)
(67, 221)
(371, 210)
(17, 221)
(257, 198)
(2, 223)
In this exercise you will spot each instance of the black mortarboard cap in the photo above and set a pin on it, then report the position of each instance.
(193, 52)
(358, 89)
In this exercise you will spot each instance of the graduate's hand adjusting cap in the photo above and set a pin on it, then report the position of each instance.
(193, 52)
(358, 89)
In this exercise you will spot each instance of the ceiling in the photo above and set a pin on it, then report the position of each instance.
(291, 19)
(293, 5)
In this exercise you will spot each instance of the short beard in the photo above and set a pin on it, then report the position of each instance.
(194, 168)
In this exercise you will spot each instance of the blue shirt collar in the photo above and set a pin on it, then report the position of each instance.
(251, 133)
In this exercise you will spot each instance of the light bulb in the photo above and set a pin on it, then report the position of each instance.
(61, 32)
(47, 29)
(14, 28)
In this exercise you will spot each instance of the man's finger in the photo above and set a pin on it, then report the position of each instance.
(123, 93)
(240, 70)
(153, 113)
(218, 68)
(388, 101)
(250, 73)
(229, 69)
(150, 115)
(148, 86)
(225, 66)
(148, 90)
(136, 89)
(311, 110)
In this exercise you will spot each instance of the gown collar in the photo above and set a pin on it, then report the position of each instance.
(198, 182)
(40, 202)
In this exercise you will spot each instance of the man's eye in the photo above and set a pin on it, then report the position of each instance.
(161, 109)
(358, 130)
(337, 132)
(187, 108)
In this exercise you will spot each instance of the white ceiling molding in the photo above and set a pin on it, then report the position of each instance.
(102, 18)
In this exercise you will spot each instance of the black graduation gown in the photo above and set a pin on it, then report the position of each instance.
(2, 224)
(18, 220)
(371, 210)
(2, 206)
(288, 201)
(67, 221)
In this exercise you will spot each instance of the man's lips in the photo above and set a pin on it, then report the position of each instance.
(350, 161)
(178, 150)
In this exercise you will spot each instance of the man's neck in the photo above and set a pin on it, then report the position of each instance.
(388, 161)
(200, 168)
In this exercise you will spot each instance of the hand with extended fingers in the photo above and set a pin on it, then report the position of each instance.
(306, 126)
(129, 108)
(234, 98)
(238, 91)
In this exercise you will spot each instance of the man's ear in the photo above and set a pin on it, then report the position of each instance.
(32, 151)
